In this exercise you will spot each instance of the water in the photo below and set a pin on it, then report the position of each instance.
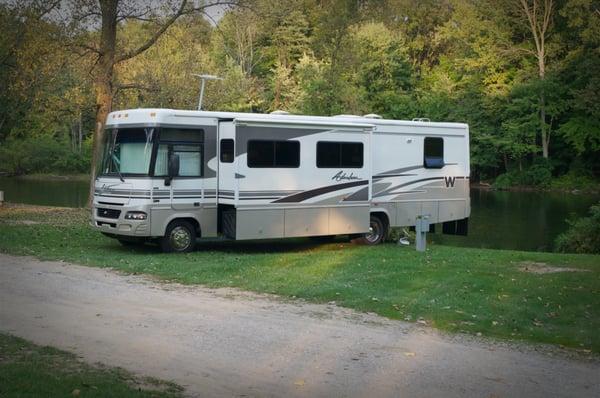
(67, 193)
(519, 220)
(502, 220)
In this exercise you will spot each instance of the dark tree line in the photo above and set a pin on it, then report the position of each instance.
(523, 73)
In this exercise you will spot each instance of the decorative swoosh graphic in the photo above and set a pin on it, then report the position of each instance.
(389, 190)
(299, 197)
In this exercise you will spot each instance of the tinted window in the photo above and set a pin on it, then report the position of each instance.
(433, 157)
(181, 135)
(273, 153)
(339, 154)
(190, 160)
(227, 154)
(127, 151)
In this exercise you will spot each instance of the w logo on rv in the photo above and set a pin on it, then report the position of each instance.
(449, 181)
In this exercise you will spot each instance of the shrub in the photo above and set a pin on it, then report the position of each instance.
(539, 174)
(576, 181)
(41, 155)
(583, 235)
(504, 181)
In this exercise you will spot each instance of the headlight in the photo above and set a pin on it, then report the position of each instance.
(136, 215)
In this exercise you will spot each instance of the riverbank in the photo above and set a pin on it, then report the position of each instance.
(538, 297)
(50, 177)
(589, 187)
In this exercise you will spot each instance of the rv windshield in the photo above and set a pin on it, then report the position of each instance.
(127, 151)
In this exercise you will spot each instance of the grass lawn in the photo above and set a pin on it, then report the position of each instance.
(450, 288)
(28, 370)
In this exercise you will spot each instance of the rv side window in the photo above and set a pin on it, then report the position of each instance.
(433, 157)
(190, 160)
(273, 154)
(227, 154)
(339, 154)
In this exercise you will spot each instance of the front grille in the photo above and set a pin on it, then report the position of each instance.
(108, 213)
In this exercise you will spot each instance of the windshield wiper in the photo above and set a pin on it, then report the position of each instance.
(117, 166)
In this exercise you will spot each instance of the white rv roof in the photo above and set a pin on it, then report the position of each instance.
(258, 120)
(152, 116)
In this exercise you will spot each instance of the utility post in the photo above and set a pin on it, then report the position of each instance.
(422, 227)
(203, 79)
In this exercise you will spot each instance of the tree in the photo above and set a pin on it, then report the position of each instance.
(581, 77)
(540, 14)
(109, 51)
(384, 73)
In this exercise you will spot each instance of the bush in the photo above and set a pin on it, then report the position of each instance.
(583, 235)
(576, 181)
(41, 155)
(539, 174)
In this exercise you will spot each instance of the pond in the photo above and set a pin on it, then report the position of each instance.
(499, 219)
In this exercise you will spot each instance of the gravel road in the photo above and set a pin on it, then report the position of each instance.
(225, 342)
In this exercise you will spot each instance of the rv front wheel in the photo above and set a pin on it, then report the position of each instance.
(179, 238)
(376, 232)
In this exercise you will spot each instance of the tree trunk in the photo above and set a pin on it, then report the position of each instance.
(545, 140)
(104, 97)
(542, 74)
(80, 135)
(103, 83)
(539, 16)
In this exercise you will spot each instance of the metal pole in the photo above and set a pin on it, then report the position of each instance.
(201, 94)
(421, 228)
(203, 79)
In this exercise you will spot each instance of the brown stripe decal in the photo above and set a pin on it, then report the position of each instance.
(299, 197)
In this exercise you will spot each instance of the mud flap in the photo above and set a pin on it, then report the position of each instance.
(457, 227)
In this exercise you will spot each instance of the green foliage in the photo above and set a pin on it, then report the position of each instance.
(583, 235)
(450, 60)
(42, 155)
(538, 174)
(29, 370)
(575, 181)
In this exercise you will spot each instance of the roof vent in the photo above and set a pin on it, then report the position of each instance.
(278, 112)
(346, 116)
(421, 119)
(373, 116)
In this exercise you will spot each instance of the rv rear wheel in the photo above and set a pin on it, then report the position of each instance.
(180, 237)
(376, 232)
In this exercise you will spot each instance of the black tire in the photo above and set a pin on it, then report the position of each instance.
(377, 233)
(180, 237)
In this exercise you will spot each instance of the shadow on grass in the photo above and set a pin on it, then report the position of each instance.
(291, 245)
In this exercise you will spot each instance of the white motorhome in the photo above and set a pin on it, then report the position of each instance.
(176, 176)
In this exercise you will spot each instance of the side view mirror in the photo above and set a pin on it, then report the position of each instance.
(173, 168)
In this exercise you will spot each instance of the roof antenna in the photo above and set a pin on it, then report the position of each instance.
(203, 79)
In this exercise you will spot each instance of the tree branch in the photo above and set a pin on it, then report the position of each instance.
(181, 11)
(132, 86)
(154, 37)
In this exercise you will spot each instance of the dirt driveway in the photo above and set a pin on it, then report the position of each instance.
(228, 343)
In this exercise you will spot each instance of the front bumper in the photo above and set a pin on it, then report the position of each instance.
(118, 225)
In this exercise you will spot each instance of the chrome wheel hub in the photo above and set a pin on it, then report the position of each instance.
(374, 232)
(180, 238)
